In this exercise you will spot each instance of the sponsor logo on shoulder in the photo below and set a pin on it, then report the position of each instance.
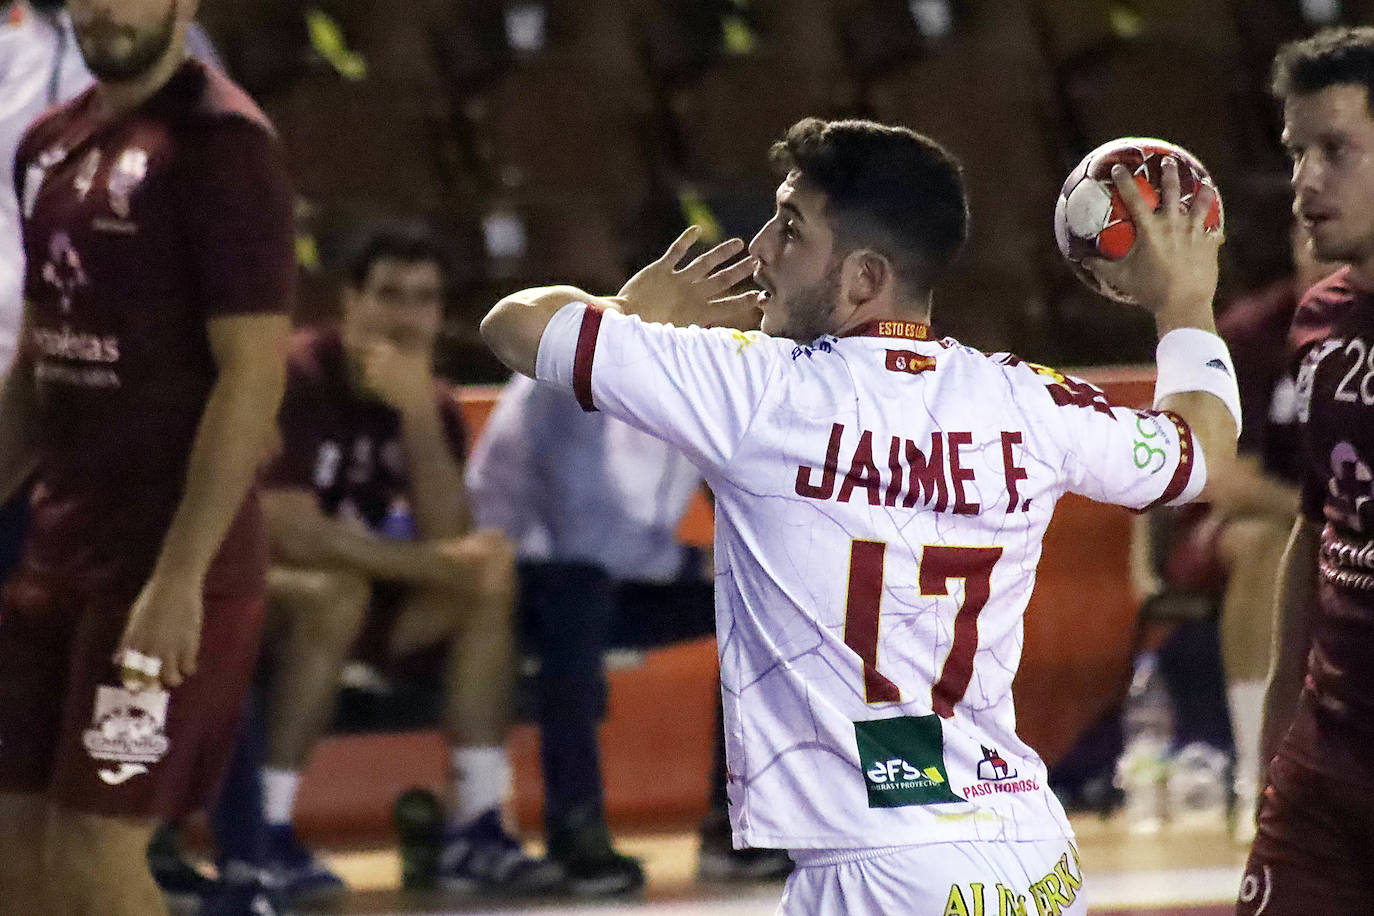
(819, 345)
(908, 361)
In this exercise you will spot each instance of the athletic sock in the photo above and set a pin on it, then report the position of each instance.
(1246, 699)
(481, 782)
(279, 795)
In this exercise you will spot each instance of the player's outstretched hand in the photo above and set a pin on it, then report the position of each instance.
(691, 294)
(162, 638)
(1172, 266)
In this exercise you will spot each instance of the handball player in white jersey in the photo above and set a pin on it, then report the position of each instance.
(881, 497)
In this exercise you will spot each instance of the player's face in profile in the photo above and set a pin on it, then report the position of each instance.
(1330, 136)
(121, 40)
(400, 304)
(795, 252)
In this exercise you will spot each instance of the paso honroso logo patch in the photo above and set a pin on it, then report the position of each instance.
(903, 761)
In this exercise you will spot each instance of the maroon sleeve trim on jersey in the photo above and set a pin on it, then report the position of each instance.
(1184, 469)
(582, 359)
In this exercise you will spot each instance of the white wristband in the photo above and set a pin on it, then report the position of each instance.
(1191, 359)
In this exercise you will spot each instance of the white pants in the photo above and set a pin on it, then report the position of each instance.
(1040, 878)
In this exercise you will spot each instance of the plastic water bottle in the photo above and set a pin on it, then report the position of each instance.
(419, 822)
(1142, 772)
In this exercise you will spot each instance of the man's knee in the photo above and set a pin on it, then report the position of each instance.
(488, 602)
(85, 848)
(21, 840)
(1246, 542)
(325, 608)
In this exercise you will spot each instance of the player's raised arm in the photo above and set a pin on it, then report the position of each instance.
(1171, 270)
(662, 291)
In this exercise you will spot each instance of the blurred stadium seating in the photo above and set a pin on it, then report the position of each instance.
(607, 123)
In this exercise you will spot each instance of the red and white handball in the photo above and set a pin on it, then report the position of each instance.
(1091, 219)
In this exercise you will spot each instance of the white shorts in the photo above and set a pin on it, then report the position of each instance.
(971, 878)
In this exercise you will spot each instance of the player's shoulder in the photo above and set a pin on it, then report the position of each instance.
(208, 107)
(1325, 303)
(716, 342)
(1048, 390)
(1259, 318)
(52, 124)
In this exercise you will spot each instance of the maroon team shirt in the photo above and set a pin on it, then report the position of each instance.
(1254, 328)
(138, 231)
(343, 445)
(1333, 731)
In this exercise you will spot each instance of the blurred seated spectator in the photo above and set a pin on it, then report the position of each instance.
(593, 506)
(372, 540)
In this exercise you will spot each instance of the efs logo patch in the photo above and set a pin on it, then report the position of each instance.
(909, 361)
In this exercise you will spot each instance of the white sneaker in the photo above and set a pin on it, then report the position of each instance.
(1199, 788)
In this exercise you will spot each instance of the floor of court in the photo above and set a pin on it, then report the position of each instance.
(1178, 872)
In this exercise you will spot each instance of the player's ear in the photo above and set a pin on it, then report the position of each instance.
(866, 275)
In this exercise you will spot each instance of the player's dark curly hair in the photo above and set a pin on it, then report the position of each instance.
(409, 243)
(887, 188)
(1333, 57)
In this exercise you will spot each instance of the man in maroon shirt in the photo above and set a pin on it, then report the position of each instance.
(156, 216)
(1317, 815)
(371, 536)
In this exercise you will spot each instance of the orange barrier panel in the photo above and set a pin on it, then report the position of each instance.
(657, 738)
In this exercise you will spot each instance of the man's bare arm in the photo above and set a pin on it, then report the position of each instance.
(302, 535)
(18, 448)
(235, 431)
(1293, 600)
(438, 493)
(1171, 270)
(1246, 491)
(660, 292)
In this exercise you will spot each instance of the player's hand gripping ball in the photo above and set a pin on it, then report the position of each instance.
(1090, 218)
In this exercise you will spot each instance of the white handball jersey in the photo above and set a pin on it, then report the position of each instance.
(880, 505)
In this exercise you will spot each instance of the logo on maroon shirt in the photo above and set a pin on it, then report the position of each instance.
(127, 729)
(1350, 486)
(127, 174)
(85, 175)
(63, 270)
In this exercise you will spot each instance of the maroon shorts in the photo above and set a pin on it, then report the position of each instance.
(69, 731)
(1311, 854)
